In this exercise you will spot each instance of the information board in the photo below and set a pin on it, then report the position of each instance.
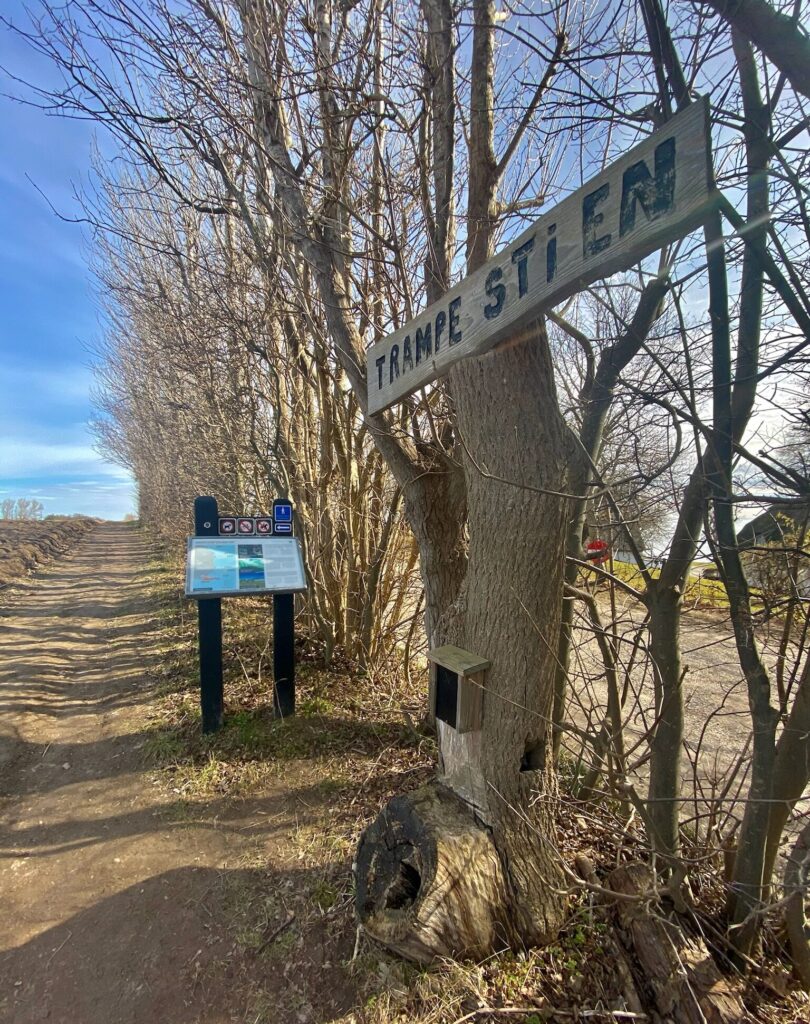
(232, 566)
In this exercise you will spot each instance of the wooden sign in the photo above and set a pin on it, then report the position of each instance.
(657, 192)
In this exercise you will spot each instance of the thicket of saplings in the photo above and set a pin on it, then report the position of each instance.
(289, 187)
(21, 508)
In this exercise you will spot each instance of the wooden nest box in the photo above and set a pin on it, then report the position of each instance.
(457, 687)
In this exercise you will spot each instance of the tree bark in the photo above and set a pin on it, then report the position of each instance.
(664, 606)
(512, 598)
(791, 770)
(684, 979)
(429, 881)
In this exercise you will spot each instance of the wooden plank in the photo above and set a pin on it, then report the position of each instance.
(470, 702)
(658, 191)
(462, 662)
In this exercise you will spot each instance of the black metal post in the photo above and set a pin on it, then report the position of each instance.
(210, 622)
(284, 655)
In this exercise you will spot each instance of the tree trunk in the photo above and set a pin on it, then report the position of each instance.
(796, 874)
(779, 36)
(664, 605)
(435, 507)
(791, 771)
(507, 612)
(511, 600)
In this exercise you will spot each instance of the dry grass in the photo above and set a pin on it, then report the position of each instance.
(699, 593)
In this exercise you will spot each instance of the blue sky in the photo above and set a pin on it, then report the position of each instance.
(48, 317)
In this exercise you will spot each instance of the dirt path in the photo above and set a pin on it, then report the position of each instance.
(112, 893)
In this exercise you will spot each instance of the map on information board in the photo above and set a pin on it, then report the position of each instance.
(230, 566)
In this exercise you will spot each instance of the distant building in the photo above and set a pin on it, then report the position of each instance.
(779, 524)
(771, 526)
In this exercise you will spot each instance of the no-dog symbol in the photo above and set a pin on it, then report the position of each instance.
(264, 525)
(227, 526)
(244, 526)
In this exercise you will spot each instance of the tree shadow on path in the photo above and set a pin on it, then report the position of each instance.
(162, 952)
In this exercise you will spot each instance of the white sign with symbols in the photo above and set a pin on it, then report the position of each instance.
(233, 567)
(657, 192)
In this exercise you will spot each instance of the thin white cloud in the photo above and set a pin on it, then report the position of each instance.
(64, 385)
(23, 457)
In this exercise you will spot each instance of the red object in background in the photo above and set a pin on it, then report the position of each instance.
(598, 551)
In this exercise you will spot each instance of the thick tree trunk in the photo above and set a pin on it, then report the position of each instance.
(791, 771)
(507, 612)
(511, 611)
(435, 507)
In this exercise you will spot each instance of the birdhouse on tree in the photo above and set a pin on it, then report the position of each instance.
(457, 687)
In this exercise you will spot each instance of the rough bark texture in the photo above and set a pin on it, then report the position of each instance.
(429, 881)
(796, 873)
(791, 770)
(512, 597)
(687, 986)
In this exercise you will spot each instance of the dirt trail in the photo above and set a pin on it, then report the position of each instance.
(111, 897)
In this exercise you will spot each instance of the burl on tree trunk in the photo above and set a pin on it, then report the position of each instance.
(429, 880)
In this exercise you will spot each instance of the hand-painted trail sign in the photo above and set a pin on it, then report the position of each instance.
(657, 192)
(233, 555)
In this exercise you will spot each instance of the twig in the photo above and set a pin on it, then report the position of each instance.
(58, 948)
(275, 934)
(551, 1013)
(357, 939)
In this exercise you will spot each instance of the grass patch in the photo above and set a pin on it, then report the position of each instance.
(699, 592)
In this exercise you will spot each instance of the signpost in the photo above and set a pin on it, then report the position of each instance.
(234, 556)
(209, 615)
(283, 626)
(657, 192)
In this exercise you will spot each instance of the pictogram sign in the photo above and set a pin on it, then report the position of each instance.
(282, 516)
(236, 556)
